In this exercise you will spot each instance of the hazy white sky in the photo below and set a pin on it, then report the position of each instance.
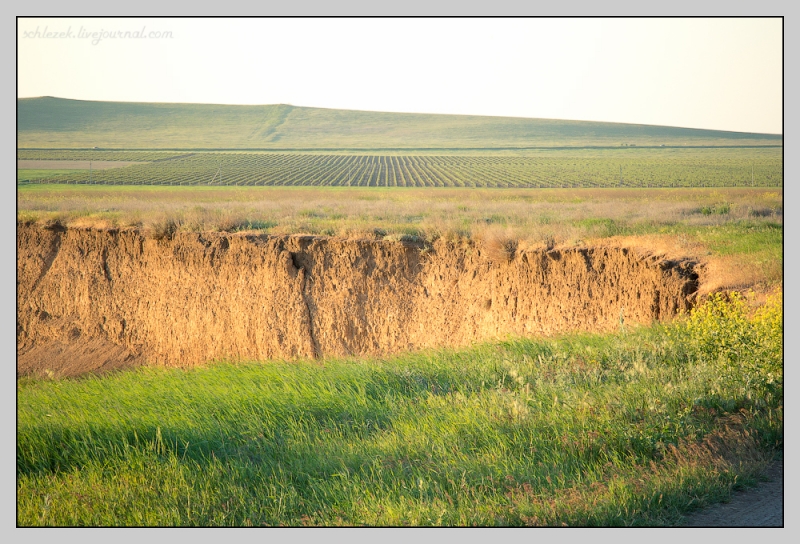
(703, 73)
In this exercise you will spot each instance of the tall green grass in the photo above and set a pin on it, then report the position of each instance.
(633, 428)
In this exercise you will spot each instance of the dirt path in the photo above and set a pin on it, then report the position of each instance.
(761, 506)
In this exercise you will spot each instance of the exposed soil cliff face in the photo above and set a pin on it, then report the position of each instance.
(92, 300)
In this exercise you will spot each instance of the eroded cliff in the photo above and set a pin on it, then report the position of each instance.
(94, 300)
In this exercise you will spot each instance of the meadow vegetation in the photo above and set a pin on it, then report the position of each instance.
(639, 427)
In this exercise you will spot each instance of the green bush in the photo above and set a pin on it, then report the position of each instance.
(722, 329)
(744, 348)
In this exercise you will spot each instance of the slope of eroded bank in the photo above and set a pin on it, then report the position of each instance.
(95, 300)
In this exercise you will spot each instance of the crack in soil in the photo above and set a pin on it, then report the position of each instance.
(313, 344)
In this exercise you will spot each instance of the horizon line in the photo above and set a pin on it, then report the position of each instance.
(779, 134)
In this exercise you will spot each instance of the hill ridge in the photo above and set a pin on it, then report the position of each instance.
(52, 122)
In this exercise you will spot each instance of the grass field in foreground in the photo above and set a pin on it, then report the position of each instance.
(634, 428)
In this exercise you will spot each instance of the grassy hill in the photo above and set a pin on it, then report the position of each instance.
(48, 122)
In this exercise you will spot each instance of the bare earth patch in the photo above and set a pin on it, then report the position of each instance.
(761, 506)
(181, 299)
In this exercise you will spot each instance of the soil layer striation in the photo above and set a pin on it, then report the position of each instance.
(93, 300)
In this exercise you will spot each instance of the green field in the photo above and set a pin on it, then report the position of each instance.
(95, 155)
(634, 428)
(744, 167)
(48, 122)
(27, 175)
(316, 147)
(638, 427)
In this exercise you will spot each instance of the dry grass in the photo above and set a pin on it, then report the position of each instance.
(498, 245)
(164, 229)
(667, 221)
(733, 273)
(563, 214)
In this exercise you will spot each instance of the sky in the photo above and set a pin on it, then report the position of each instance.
(724, 74)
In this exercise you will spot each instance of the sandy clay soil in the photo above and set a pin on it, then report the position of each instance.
(92, 300)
